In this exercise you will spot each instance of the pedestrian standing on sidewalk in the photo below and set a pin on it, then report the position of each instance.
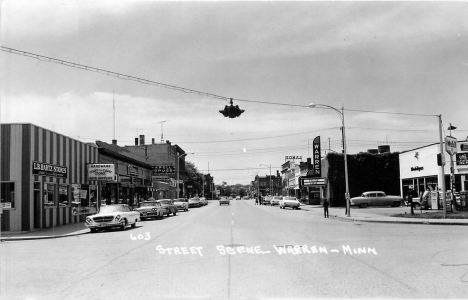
(410, 200)
(326, 204)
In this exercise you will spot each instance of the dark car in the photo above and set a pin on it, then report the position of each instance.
(168, 204)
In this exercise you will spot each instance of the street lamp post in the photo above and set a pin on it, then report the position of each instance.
(270, 175)
(341, 113)
(178, 162)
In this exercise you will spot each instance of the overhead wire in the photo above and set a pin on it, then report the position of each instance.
(177, 88)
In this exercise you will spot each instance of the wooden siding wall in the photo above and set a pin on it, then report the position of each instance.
(21, 145)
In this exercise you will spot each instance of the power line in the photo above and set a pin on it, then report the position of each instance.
(177, 88)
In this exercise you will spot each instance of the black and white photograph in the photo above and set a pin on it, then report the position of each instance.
(233, 149)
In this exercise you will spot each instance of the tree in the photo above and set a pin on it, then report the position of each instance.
(194, 176)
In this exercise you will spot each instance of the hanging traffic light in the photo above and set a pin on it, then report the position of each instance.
(232, 111)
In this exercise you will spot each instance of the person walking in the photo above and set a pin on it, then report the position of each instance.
(326, 204)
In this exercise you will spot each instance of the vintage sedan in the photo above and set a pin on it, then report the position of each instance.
(376, 198)
(182, 204)
(168, 204)
(289, 201)
(224, 200)
(194, 202)
(151, 209)
(203, 201)
(116, 215)
(267, 200)
(275, 200)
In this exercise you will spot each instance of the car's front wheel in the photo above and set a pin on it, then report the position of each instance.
(134, 224)
(363, 205)
(123, 225)
(396, 204)
(174, 213)
(93, 230)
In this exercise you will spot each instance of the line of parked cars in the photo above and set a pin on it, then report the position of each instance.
(122, 215)
(282, 201)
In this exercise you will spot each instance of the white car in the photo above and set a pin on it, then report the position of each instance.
(289, 201)
(181, 203)
(116, 215)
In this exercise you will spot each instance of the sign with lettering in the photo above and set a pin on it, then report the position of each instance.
(132, 170)
(101, 172)
(317, 158)
(417, 169)
(450, 145)
(44, 169)
(167, 170)
(462, 159)
(464, 147)
(292, 157)
(305, 182)
(160, 178)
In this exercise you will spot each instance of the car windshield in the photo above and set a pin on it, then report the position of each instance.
(194, 199)
(146, 204)
(289, 198)
(277, 198)
(181, 200)
(110, 208)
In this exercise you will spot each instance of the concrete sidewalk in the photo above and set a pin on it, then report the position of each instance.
(48, 233)
(383, 216)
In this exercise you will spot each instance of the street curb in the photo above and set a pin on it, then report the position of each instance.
(401, 221)
(11, 239)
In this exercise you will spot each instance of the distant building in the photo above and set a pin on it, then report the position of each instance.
(159, 155)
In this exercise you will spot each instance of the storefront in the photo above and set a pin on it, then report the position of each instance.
(43, 178)
(132, 182)
(419, 169)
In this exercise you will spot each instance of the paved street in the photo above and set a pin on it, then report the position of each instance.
(242, 251)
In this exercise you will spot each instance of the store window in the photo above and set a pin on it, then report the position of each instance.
(49, 195)
(8, 195)
(64, 199)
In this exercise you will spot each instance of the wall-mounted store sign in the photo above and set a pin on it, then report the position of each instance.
(317, 158)
(160, 178)
(167, 170)
(132, 170)
(463, 147)
(101, 172)
(44, 169)
(292, 157)
(305, 182)
(417, 169)
(462, 159)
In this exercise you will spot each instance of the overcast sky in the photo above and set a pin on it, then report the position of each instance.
(406, 59)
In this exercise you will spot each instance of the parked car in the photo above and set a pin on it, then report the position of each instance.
(377, 198)
(151, 209)
(168, 204)
(238, 198)
(194, 202)
(267, 200)
(203, 201)
(181, 203)
(224, 200)
(116, 215)
(288, 201)
(275, 200)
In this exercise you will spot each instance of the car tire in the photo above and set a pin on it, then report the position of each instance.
(134, 224)
(396, 204)
(143, 219)
(124, 225)
(174, 213)
(363, 205)
(93, 230)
